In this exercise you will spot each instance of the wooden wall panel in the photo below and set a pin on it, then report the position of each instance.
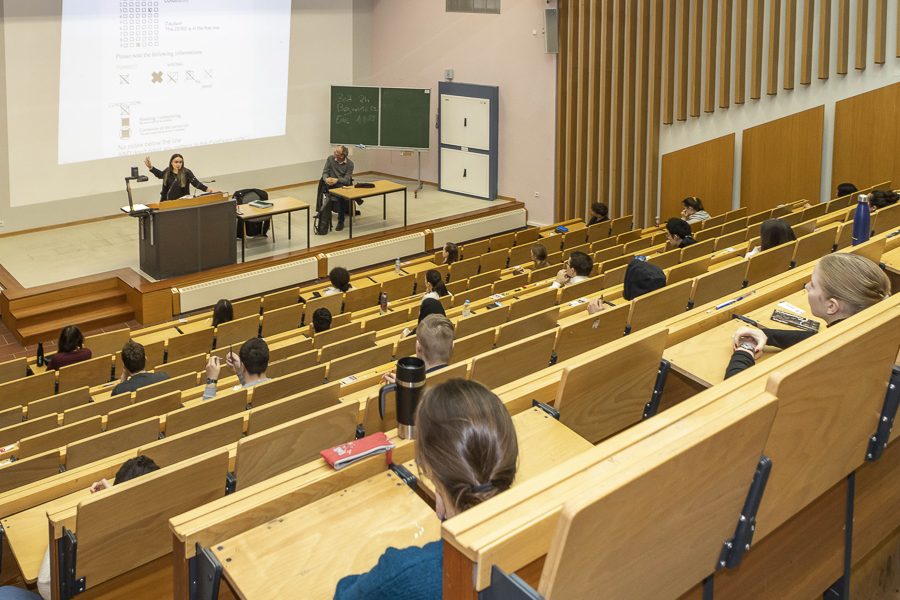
(595, 74)
(781, 161)
(655, 104)
(684, 35)
(880, 31)
(756, 61)
(712, 29)
(790, 42)
(615, 186)
(669, 103)
(740, 53)
(866, 133)
(609, 11)
(572, 110)
(705, 171)
(578, 205)
(640, 171)
(696, 55)
(843, 36)
(725, 52)
(862, 32)
(807, 35)
(631, 100)
(774, 47)
(562, 94)
(825, 40)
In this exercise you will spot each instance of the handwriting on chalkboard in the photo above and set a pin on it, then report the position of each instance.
(360, 111)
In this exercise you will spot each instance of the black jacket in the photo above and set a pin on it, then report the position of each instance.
(780, 338)
(170, 188)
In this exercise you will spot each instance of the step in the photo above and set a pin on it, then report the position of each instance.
(86, 321)
(67, 307)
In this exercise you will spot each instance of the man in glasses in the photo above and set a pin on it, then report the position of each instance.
(577, 269)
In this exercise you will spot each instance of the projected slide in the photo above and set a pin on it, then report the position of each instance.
(143, 76)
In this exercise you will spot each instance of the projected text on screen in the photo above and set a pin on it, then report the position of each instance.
(142, 76)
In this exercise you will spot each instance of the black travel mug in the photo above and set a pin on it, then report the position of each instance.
(410, 384)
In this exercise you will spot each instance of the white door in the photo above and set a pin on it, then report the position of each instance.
(465, 172)
(466, 122)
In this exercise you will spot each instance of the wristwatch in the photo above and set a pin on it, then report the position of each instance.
(748, 347)
(210, 381)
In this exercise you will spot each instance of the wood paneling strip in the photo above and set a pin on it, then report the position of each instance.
(880, 31)
(825, 40)
(790, 42)
(705, 170)
(843, 36)
(725, 54)
(656, 102)
(631, 59)
(684, 33)
(640, 194)
(774, 47)
(712, 26)
(616, 177)
(807, 34)
(740, 53)
(596, 71)
(572, 110)
(577, 204)
(562, 89)
(862, 33)
(609, 11)
(759, 8)
(696, 56)
(669, 104)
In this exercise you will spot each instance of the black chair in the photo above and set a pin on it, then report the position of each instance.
(256, 226)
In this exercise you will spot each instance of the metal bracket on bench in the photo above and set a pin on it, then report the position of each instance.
(879, 441)
(404, 475)
(69, 586)
(205, 574)
(546, 408)
(733, 549)
(652, 407)
(360, 432)
(507, 587)
(112, 372)
(230, 483)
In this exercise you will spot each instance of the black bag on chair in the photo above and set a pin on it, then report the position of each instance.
(253, 227)
(322, 220)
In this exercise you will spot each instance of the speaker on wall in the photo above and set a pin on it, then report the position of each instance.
(551, 31)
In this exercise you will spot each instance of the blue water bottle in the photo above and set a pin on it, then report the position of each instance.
(862, 228)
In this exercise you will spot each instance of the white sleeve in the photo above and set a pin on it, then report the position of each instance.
(555, 285)
(43, 581)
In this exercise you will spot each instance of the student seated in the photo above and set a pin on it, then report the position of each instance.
(430, 306)
(641, 278)
(133, 375)
(71, 349)
(466, 445)
(250, 366)
(882, 199)
(599, 213)
(132, 469)
(321, 320)
(841, 286)
(576, 269)
(434, 286)
(340, 282)
(222, 313)
(538, 259)
(434, 343)
(450, 253)
(692, 210)
(773, 233)
(678, 232)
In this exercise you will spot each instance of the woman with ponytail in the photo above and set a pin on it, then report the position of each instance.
(434, 286)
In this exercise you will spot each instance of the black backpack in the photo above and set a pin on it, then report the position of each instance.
(246, 196)
(322, 220)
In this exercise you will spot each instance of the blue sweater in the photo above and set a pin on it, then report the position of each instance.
(409, 574)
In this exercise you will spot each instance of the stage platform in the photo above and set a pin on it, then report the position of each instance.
(97, 264)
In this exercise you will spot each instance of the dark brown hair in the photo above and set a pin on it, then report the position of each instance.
(70, 338)
(466, 442)
(340, 278)
(254, 355)
(437, 282)
(775, 232)
(600, 208)
(134, 468)
(222, 313)
(693, 203)
(540, 252)
(882, 198)
(133, 357)
(581, 263)
(452, 253)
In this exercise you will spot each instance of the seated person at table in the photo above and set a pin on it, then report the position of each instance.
(678, 232)
(338, 172)
(692, 210)
(450, 253)
(576, 269)
(249, 365)
(222, 313)
(434, 286)
(466, 445)
(882, 199)
(430, 306)
(71, 349)
(434, 343)
(134, 376)
(641, 278)
(599, 213)
(773, 233)
(321, 320)
(538, 257)
(841, 286)
(133, 468)
(340, 282)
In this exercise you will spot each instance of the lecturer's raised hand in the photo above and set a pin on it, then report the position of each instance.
(147, 162)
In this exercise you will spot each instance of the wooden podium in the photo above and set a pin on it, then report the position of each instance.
(189, 235)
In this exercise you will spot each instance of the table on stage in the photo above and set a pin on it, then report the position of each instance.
(382, 188)
(279, 206)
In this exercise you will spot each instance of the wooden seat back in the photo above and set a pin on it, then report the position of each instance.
(58, 403)
(591, 331)
(473, 249)
(614, 277)
(697, 250)
(183, 419)
(613, 263)
(657, 306)
(471, 345)
(143, 506)
(285, 319)
(604, 244)
(734, 226)
(177, 368)
(500, 366)
(485, 319)
(287, 385)
(753, 231)
(472, 295)
(292, 364)
(333, 302)
(463, 269)
(606, 391)
(293, 407)
(237, 331)
(543, 273)
(494, 260)
(245, 308)
(362, 297)
(176, 448)
(14, 433)
(574, 238)
(510, 283)
(420, 277)
(886, 219)
(59, 437)
(527, 236)
(815, 211)
(108, 443)
(457, 287)
(348, 346)
(520, 255)
(688, 270)
(512, 332)
(503, 241)
(336, 334)
(784, 210)
(845, 236)
(667, 259)
(792, 218)
(598, 232)
(10, 370)
(281, 299)
(759, 217)
(285, 446)
(804, 228)
(708, 233)
(399, 288)
(628, 236)
(359, 361)
(873, 249)
(769, 263)
(638, 245)
(189, 344)
(287, 348)
(389, 319)
(103, 407)
(484, 278)
(610, 253)
(29, 470)
(154, 355)
(711, 222)
(94, 371)
(737, 213)
(405, 347)
(813, 246)
(620, 225)
(531, 304)
(730, 240)
(718, 283)
(143, 410)
(583, 289)
(180, 383)
(106, 343)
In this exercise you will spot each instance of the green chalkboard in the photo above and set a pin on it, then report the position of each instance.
(405, 118)
(354, 115)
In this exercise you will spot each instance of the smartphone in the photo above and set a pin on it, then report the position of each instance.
(779, 316)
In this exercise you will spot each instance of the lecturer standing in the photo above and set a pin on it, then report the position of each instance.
(338, 172)
(177, 180)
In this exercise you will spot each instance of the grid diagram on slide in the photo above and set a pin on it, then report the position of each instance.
(138, 23)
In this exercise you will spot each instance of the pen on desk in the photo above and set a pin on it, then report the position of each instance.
(730, 302)
(746, 320)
